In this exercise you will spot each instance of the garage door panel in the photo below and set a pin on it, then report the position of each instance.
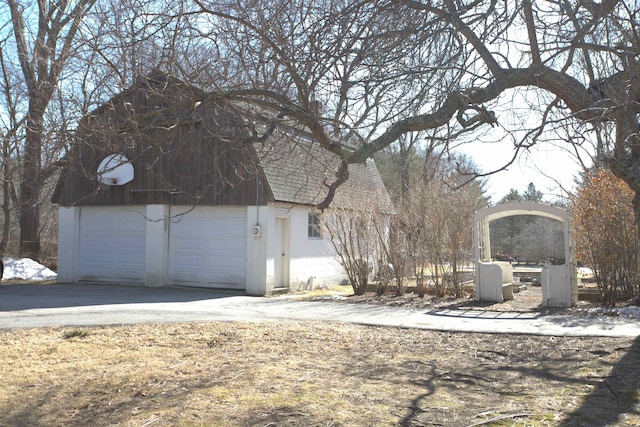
(112, 244)
(223, 258)
(226, 266)
(131, 244)
(188, 262)
(207, 247)
(194, 244)
(133, 259)
(188, 278)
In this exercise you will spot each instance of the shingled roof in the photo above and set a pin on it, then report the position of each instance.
(298, 170)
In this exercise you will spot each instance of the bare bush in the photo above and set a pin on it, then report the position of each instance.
(355, 241)
(435, 218)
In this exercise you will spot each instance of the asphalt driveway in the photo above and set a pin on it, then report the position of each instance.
(35, 306)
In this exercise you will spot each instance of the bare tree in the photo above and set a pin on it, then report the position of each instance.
(461, 202)
(11, 126)
(44, 35)
(529, 67)
(358, 75)
(434, 218)
(449, 209)
(367, 65)
(59, 61)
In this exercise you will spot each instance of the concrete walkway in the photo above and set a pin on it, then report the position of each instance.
(34, 306)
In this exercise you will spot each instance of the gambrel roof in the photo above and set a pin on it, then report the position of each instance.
(188, 148)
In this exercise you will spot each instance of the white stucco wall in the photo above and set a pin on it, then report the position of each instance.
(309, 260)
(310, 257)
(284, 229)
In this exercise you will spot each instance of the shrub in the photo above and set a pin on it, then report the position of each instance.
(606, 234)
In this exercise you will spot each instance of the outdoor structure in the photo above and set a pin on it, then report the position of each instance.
(559, 282)
(167, 186)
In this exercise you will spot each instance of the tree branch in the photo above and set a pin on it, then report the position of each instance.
(531, 31)
(568, 89)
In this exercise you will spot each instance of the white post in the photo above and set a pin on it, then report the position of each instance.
(486, 241)
(68, 244)
(571, 262)
(156, 245)
(257, 232)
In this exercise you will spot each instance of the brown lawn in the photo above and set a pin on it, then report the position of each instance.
(312, 374)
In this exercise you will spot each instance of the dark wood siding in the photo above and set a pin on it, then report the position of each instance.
(184, 149)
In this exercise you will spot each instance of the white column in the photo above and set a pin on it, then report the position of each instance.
(257, 232)
(570, 262)
(476, 256)
(486, 240)
(156, 245)
(476, 240)
(68, 244)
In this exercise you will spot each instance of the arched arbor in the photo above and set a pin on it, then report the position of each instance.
(559, 282)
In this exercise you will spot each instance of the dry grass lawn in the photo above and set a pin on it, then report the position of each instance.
(312, 374)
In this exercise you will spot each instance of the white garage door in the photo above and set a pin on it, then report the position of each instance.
(112, 244)
(207, 247)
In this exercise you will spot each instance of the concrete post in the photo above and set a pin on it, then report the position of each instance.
(68, 244)
(258, 231)
(156, 245)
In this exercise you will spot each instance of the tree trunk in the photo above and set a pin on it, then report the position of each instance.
(624, 164)
(30, 189)
(404, 172)
(29, 222)
(6, 208)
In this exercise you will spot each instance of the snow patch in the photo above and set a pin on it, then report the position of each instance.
(26, 269)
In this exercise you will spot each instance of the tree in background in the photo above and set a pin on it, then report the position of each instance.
(606, 234)
(532, 194)
(11, 123)
(434, 216)
(542, 240)
(44, 37)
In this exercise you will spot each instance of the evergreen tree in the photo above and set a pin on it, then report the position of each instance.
(532, 194)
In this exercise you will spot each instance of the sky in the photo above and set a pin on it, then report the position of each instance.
(550, 168)
(550, 164)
